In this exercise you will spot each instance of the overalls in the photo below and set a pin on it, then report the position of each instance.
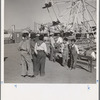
(65, 55)
(52, 50)
(74, 56)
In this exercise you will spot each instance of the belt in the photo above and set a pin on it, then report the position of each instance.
(40, 50)
(22, 50)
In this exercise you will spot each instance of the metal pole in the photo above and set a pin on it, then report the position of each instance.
(54, 12)
(49, 14)
(91, 16)
(90, 5)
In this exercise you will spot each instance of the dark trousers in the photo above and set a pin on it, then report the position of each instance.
(41, 58)
(52, 53)
(73, 60)
(64, 59)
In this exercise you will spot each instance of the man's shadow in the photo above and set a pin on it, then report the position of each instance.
(58, 59)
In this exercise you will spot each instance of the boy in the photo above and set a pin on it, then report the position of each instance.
(74, 53)
(26, 62)
(65, 52)
(52, 47)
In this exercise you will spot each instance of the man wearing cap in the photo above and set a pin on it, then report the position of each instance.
(52, 47)
(25, 52)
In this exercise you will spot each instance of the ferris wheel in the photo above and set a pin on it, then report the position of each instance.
(77, 15)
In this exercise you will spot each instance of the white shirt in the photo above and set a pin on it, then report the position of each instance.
(25, 45)
(76, 47)
(93, 55)
(59, 40)
(40, 47)
(52, 41)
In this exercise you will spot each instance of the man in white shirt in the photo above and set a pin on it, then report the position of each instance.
(52, 47)
(41, 51)
(40, 47)
(65, 52)
(91, 53)
(59, 40)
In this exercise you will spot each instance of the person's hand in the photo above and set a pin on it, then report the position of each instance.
(36, 53)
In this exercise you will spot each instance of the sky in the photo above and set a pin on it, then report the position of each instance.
(23, 13)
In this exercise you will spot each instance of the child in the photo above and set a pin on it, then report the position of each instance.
(65, 52)
(26, 62)
(74, 53)
(52, 47)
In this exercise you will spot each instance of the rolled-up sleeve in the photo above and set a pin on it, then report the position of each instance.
(35, 48)
(77, 50)
(45, 47)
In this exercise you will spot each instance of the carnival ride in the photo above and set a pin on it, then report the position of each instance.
(78, 17)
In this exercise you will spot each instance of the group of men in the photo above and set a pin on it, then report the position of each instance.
(33, 51)
(67, 48)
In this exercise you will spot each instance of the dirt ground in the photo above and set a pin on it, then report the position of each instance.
(55, 73)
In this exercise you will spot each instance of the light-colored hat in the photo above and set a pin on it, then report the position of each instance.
(37, 34)
(51, 33)
(25, 31)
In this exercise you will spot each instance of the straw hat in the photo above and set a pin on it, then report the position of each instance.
(25, 31)
(51, 33)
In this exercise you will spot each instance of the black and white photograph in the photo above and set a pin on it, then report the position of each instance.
(50, 41)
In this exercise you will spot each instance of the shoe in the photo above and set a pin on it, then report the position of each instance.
(63, 65)
(31, 76)
(23, 75)
(74, 67)
(71, 68)
(67, 67)
(54, 60)
(35, 74)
